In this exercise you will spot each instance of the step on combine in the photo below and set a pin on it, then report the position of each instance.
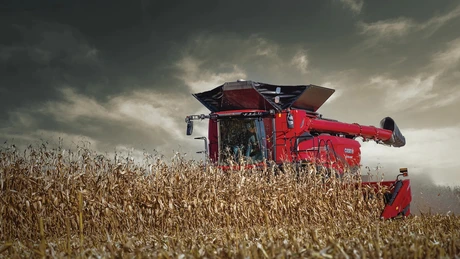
(251, 123)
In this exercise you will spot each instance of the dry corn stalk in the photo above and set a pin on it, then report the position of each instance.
(178, 209)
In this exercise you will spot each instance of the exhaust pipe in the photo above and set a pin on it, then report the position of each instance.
(397, 139)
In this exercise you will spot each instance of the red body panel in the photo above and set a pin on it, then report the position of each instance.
(331, 151)
(399, 197)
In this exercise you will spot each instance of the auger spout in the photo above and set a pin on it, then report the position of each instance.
(397, 139)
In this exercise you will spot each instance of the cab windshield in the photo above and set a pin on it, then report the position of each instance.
(242, 140)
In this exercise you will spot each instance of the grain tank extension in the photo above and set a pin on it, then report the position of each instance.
(254, 122)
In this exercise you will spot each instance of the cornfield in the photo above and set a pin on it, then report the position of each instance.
(60, 203)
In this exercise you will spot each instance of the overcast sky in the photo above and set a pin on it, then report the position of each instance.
(120, 75)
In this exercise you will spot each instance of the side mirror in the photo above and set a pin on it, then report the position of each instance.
(290, 121)
(189, 127)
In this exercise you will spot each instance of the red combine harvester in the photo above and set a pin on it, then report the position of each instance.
(252, 122)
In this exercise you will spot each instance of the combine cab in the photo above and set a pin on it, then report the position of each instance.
(252, 122)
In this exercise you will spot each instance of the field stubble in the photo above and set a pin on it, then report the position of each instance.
(58, 203)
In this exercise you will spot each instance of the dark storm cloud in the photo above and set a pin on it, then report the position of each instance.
(50, 55)
(97, 48)
(132, 40)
